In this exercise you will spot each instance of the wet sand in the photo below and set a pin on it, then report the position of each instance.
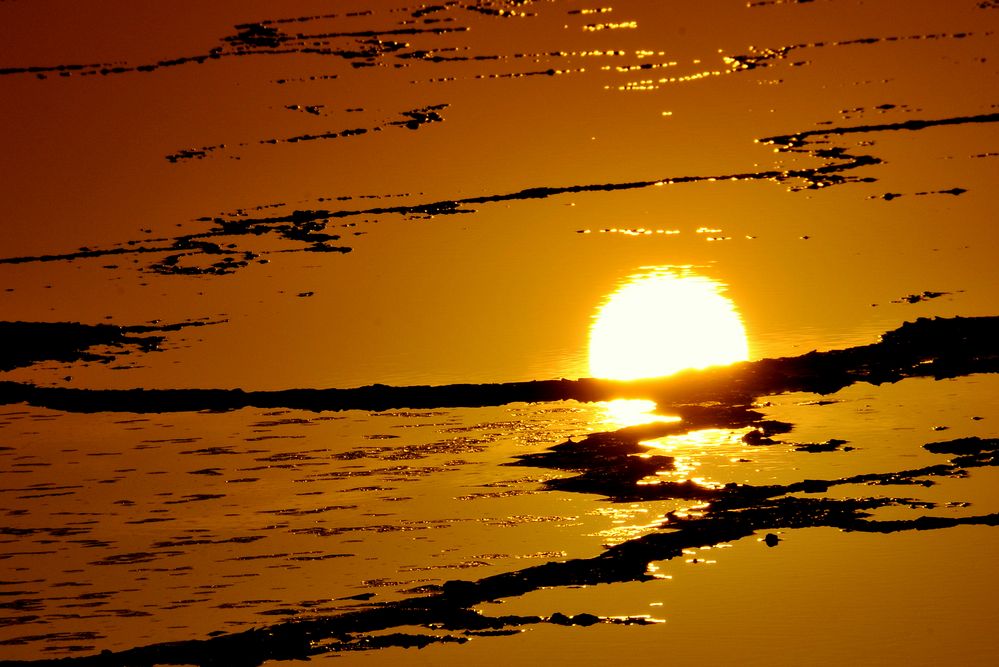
(296, 307)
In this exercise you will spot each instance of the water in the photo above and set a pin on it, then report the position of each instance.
(322, 196)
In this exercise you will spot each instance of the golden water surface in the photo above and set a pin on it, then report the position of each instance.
(319, 194)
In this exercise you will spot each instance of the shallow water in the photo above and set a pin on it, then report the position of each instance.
(317, 196)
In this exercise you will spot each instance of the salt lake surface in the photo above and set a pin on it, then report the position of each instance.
(294, 298)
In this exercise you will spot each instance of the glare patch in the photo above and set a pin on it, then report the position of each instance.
(625, 412)
(628, 523)
(692, 450)
(664, 320)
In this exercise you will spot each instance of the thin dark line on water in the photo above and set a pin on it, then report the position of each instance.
(797, 139)
(307, 225)
(937, 348)
(763, 57)
(412, 119)
(253, 40)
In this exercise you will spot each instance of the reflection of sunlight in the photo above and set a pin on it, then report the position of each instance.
(628, 523)
(665, 320)
(690, 451)
(695, 440)
(625, 412)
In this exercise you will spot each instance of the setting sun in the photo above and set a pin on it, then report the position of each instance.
(664, 320)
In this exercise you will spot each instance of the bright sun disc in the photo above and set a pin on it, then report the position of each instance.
(662, 321)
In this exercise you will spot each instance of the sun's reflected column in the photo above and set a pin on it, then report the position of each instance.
(662, 320)
(625, 412)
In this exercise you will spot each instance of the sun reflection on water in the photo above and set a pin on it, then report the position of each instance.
(703, 456)
(628, 522)
(625, 412)
(688, 451)
(663, 320)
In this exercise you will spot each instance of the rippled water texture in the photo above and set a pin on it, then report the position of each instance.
(498, 332)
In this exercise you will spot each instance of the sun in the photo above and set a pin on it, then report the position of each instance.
(663, 320)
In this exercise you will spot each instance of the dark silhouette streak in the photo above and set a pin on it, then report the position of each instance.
(763, 57)
(414, 119)
(838, 162)
(940, 348)
(27, 343)
(254, 39)
(798, 139)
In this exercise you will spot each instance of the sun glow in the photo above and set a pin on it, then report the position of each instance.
(664, 320)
